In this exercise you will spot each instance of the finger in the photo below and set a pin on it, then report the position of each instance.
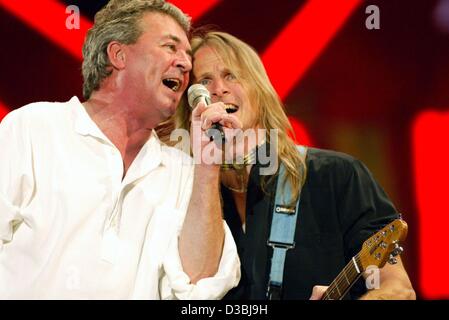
(231, 121)
(209, 114)
(199, 109)
(318, 292)
(210, 119)
(218, 106)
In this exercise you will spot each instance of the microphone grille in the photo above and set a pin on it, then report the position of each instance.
(195, 91)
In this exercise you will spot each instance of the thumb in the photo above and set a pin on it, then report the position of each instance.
(199, 109)
(318, 292)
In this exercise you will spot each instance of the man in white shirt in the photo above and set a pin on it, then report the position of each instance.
(92, 205)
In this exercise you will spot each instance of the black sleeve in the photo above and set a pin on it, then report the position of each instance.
(364, 208)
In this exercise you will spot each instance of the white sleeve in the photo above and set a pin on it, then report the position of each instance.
(9, 216)
(15, 174)
(175, 284)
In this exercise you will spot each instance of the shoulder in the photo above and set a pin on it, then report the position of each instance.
(324, 160)
(37, 113)
(176, 156)
(177, 161)
(324, 157)
(329, 165)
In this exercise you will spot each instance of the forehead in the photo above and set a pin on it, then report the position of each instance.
(157, 25)
(209, 59)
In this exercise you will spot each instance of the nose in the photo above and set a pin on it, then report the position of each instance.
(218, 89)
(184, 62)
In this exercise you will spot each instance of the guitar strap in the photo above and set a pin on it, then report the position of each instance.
(282, 234)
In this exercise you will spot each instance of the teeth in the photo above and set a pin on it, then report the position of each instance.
(230, 108)
(172, 83)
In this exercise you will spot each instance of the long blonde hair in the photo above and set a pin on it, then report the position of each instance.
(245, 62)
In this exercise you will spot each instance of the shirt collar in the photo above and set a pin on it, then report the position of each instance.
(149, 157)
(84, 125)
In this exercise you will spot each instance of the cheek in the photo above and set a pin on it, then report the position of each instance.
(186, 80)
(239, 94)
(251, 113)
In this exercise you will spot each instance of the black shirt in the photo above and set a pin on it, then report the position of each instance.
(341, 206)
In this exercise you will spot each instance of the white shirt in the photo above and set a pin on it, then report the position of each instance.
(70, 228)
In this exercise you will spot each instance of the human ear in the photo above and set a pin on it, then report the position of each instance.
(116, 54)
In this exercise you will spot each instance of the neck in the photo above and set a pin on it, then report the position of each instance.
(118, 121)
(237, 182)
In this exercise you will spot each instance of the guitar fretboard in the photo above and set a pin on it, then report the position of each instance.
(344, 281)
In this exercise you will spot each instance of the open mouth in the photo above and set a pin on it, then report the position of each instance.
(172, 83)
(231, 108)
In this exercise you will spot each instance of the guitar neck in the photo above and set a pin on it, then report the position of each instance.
(345, 280)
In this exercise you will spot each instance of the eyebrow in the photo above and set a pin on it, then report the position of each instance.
(178, 41)
(204, 75)
(210, 74)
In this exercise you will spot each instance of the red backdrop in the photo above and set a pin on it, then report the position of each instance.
(380, 95)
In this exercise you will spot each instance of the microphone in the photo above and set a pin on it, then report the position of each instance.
(198, 93)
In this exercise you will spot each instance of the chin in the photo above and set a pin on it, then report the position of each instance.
(168, 112)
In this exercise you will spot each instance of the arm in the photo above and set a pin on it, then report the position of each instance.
(16, 178)
(364, 209)
(394, 284)
(202, 234)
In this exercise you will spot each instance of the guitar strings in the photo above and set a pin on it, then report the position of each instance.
(341, 285)
(342, 278)
(349, 270)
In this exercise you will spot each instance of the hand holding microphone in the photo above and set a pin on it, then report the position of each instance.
(198, 93)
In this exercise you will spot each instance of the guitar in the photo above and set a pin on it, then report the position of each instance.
(383, 246)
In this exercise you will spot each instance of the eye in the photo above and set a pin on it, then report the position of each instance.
(205, 82)
(171, 47)
(230, 76)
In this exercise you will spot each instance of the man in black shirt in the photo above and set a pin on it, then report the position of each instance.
(341, 206)
(340, 203)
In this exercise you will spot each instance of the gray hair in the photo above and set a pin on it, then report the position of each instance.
(119, 21)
